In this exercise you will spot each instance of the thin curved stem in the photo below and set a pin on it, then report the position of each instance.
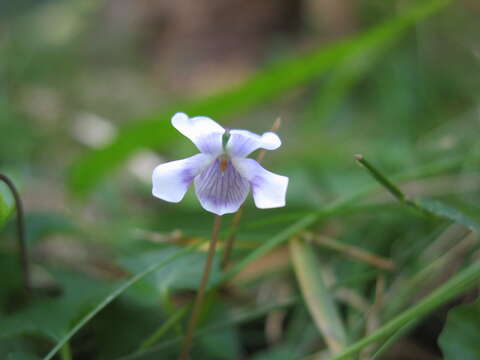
(22, 243)
(197, 306)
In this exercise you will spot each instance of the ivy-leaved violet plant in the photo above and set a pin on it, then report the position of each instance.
(221, 172)
(223, 176)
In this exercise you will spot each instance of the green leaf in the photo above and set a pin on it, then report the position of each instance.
(277, 353)
(221, 343)
(79, 293)
(155, 131)
(460, 336)
(185, 273)
(42, 224)
(5, 211)
(21, 356)
(440, 209)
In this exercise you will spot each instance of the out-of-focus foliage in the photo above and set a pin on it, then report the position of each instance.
(349, 59)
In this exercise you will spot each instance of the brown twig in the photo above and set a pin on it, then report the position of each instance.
(197, 306)
(238, 215)
(353, 252)
(22, 243)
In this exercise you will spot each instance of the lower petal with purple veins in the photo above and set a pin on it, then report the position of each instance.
(220, 188)
(269, 189)
(172, 179)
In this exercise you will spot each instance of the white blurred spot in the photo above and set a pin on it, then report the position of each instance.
(93, 130)
(142, 165)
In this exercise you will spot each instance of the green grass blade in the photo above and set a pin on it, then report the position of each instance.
(167, 325)
(426, 206)
(443, 210)
(381, 178)
(318, 297)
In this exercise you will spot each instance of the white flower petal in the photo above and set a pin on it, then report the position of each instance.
(243, 142)
(205, 133)
(268, 189)
(171, 180)
(220, 188)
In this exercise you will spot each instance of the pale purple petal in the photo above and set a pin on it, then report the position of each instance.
(243, 142)
(205, 133)
(220, 188)
(268, 189)
(171, 180)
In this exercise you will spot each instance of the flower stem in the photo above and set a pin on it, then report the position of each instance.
(197, 306)
(22, 244)
(238, 215)
(227, 252)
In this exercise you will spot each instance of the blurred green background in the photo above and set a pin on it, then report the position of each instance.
(87, 90)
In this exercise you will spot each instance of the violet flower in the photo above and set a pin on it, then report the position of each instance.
(221, 172)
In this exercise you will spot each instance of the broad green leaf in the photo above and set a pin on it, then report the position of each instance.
(460, 336)
(185, 273)
(21, 356)
(17, 349)
(78, 294)
(134, 321)
(221, 343)
(41, 224)
(155, 131)
(277, 353)
(443, 210)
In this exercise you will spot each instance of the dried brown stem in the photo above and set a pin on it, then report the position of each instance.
(353, 252)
